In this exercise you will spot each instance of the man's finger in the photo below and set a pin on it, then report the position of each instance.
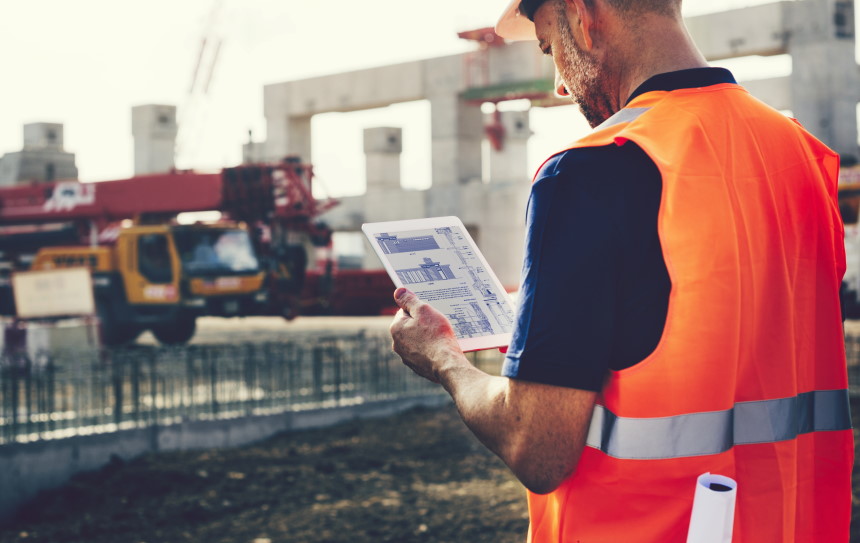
(397, 323)
(407, 300)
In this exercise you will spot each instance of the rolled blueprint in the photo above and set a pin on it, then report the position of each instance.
(713, 514)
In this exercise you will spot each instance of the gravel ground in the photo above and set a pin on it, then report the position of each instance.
(419, 476)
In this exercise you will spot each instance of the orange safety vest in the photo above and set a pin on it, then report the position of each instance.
(749, 378)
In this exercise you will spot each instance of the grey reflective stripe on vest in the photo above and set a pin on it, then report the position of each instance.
(713, 432)
(626, 115)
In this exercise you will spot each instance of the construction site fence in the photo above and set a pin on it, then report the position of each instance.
(66, 393)
(61, 394)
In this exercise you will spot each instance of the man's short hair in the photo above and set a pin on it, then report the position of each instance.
(663, 7)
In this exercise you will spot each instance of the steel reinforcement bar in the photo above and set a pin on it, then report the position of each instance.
(68, 393)
(63, 394)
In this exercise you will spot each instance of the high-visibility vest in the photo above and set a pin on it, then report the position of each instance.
(749, 377)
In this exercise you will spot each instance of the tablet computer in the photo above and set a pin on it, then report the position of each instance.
(437, 259)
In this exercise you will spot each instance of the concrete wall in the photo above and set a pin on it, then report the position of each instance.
(32, 467)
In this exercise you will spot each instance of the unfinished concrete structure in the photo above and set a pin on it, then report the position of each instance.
(823, 89)
(43, 158)
(822, 92)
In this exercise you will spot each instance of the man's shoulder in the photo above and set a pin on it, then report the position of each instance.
(589, 162)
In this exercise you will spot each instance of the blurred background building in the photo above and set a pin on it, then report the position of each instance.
(42, 159)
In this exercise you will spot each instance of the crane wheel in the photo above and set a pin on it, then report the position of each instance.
(112, 332)
(178, 332)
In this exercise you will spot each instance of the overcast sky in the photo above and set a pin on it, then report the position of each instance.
(85, 63)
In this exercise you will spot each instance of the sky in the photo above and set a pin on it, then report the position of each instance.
(85, 63)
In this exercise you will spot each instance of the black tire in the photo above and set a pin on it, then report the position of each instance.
(850, 304)
(112, 331)
(178, 332)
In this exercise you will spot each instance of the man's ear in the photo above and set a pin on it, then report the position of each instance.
(585, 20)
(560, 88)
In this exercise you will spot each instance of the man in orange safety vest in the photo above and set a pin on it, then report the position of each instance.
(679, 308)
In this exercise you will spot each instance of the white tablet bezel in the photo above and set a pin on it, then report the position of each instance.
(466, 344)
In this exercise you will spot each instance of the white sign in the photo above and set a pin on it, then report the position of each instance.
(53, 293)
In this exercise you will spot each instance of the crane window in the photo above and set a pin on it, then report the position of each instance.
(154, 258)
(216, 252)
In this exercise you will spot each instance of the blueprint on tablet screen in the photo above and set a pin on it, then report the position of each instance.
(441, 267)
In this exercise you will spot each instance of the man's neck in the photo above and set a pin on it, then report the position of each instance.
(662, 45)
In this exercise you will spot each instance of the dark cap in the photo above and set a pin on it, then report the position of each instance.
(530, 7)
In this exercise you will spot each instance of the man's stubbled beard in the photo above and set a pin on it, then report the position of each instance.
(584, 78)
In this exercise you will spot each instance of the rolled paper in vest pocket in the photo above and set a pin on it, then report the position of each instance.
(713, 514)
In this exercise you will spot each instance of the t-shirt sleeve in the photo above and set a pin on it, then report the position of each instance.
(564, 330)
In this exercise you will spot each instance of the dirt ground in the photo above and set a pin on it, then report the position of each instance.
(416, 477)
(419, 476)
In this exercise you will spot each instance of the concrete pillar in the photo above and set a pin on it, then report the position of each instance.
(385, 199)
(254, 152)
(288, 136)
(504, 224)
(510, 163)
(825, 82)
(154, 129)
(43, 136)
(456, 133)
(382, 148)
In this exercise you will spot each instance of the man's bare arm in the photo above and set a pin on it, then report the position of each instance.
(538, 430)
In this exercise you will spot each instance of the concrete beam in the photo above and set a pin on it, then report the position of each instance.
(349, 91)
(406, 82)
(755, 30)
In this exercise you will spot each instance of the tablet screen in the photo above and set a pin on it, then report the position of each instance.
(442, 265)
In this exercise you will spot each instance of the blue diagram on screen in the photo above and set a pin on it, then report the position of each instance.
(442, 266)
(428, 271)
(392, 244)
(494, 305)
(470, 321)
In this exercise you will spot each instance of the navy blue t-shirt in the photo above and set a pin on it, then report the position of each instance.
(595, 288)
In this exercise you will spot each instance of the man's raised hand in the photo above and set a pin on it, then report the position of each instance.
(422, 336)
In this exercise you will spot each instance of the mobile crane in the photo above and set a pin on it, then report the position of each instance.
(149, 272)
